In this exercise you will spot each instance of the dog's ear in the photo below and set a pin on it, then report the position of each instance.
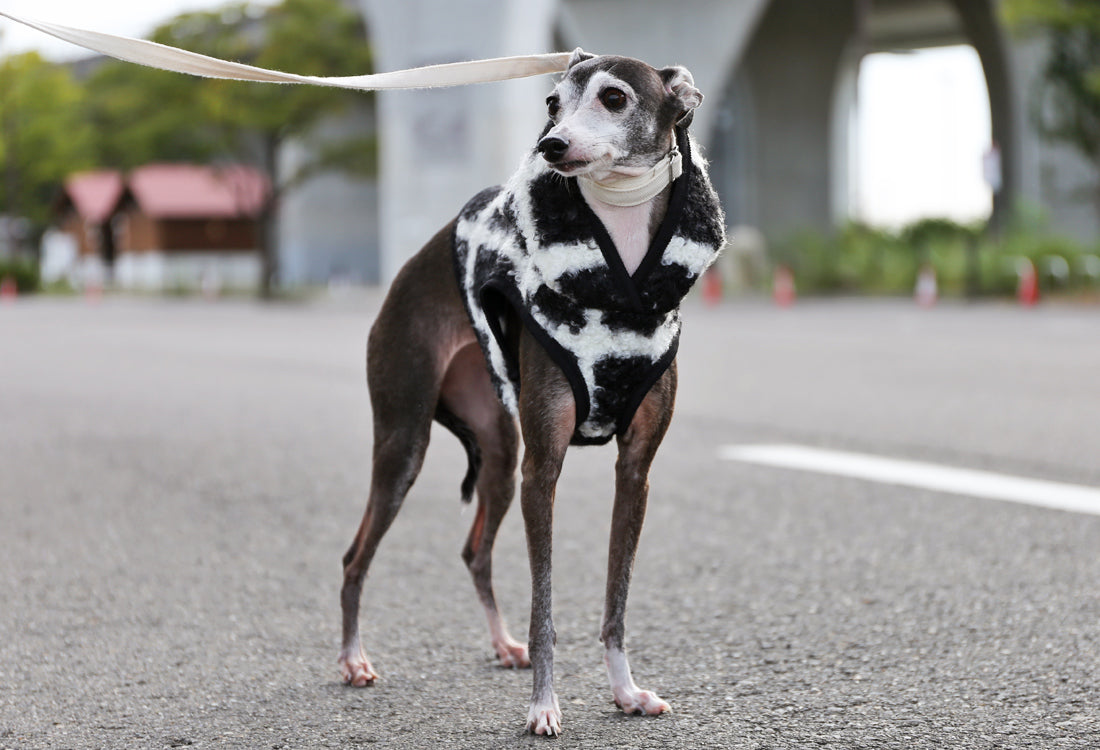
(680, 85)
(579, 56)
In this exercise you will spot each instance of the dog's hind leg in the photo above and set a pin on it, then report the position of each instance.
(397, 461)
(468, 394)
(637, 448)
(420, 327)
(399, 446)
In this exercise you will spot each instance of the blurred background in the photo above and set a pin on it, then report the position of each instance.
(853, 142)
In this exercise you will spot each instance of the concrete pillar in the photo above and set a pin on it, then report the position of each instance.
(440, 147)
(1006, 100)
(793, 65)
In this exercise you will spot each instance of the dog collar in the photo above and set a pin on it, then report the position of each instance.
(634, 191)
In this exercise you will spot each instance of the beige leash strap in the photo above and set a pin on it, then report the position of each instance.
(177, 60)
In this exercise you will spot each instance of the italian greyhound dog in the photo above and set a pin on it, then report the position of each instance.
(552, 300)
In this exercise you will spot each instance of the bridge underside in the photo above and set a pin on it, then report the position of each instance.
(779, 77)
(780, 144)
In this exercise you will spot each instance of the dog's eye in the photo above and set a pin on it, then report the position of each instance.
(553, 104)
(613, 99)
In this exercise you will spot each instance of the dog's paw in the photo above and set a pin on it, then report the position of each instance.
(356, 670)
(644, 702)
(545, 718)
(512, 654)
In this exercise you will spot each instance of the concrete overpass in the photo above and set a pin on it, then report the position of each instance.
(779, 76)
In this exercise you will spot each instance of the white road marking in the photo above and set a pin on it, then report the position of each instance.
(984, 484)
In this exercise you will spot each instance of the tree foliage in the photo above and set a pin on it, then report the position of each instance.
(43, 137)
(140, 115)
(1070, 110)
(144, 114)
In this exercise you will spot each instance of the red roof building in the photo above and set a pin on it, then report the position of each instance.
(164, 223)
(190, 208)
(87, 201)
(94, 194)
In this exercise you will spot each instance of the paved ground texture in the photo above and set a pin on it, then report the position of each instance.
(178, 481)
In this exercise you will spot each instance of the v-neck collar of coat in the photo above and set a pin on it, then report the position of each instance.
(632, 284)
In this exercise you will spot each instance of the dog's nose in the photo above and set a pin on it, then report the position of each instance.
(553, 148)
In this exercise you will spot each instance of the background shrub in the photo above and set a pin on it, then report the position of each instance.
(25, 273)
(967, 258)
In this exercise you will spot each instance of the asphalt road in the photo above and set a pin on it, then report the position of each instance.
(179, 479)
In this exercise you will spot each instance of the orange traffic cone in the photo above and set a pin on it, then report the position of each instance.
(783, 291)
(1027, 289)
(712, 286)
(8, 290)
(93, 293)
(927, 290)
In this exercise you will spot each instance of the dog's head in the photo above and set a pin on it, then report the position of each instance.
(615, 114)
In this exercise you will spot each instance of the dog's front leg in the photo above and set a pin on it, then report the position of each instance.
(637, 448)
(547, 415)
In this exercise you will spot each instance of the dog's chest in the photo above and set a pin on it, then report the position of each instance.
(629, 228)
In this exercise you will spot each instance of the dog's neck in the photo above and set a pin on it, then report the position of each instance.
(631, 207)
(633, 190)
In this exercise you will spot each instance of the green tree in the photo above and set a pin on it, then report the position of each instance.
(145, 114)
(1070, 102)
(42, 136)
(141, 115)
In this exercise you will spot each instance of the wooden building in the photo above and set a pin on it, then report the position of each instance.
(84, 212)
(168, 225)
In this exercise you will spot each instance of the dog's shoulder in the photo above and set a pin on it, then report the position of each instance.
(703, 219)
(480, 202)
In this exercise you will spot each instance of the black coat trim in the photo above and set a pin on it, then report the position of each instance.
(490, 296)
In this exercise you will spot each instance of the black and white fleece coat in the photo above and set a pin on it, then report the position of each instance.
(535, 245)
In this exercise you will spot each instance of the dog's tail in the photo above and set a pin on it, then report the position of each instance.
(469, 441)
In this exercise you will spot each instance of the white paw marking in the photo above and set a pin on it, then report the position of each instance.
(644, 702)
(545, 718)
